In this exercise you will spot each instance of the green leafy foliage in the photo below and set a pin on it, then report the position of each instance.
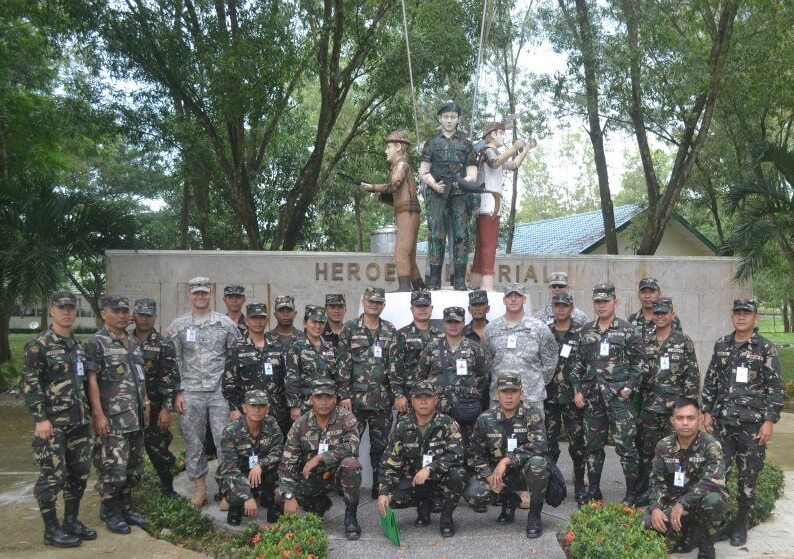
(769, 489)
(292, 537)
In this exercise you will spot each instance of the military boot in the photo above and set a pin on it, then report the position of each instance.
(593, 492)
(534, 523)
(739, 534)
(113, 518)
(72, 526)
(689, 539)
(274, 511)
(131, 515)
(418, 284)
(352, 529)
(433, 279)
(631, 491)
(235, 514)
(460, 278)
(706, 550)
(403, 283)
(167, 484)
(319, 505)
(423, 513)
(643, 481)
(579, 487)
(445, 524)
(199, 492)
(54, 534)
(509, 504)
(374, 492)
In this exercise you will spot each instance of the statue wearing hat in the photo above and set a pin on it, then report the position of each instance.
(491, 172)
(400, 192)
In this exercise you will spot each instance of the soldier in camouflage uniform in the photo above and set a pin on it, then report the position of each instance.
(411, 340)
(162, 382)
(449, 152)
(53, 383)
(234, 299)
(119, 406)
(687, 491)
(425, 450)
(558, 283)
(558, 407)
(320, 455)
(251, 447)
(309, 359)
(367, 373)
(508, 454)
(478, 309)
(673, 373)
(649, 290)
(281, 339)
(742, 400)
(335, 309)
(612, 365)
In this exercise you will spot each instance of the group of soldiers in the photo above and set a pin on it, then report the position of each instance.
(480, 407)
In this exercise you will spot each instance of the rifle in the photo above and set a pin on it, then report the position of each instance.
(384, 197)
(453, 183)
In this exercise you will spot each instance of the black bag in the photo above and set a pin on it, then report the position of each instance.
(467, 411)
(556, 491)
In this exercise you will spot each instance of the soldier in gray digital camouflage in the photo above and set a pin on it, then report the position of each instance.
(320, 455)
(612, 365)
(558, 408)
(119, 408)
(411, 340)
(672, 373)
(367, 372)
(53, 383)
(507, 453)
(424, 451)
(162, 383)
(335, 310)
(649, 290)
(687, 491)
(251, 447)
(201, 341)
(559, 282)
(309, 359)
(234, 299)
(742, 400)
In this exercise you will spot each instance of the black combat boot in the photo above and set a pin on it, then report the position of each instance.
(72, 526)
(132, 516)
(352, 529)
(631, 491)
(54, 535)
(641, 498)
(689, 538)
(579, 488)
(113, 518)
(445, 524)
(274, 511)
(509, 504)
(423, 513)
(403, 284)
(319, 505)
(706, 550)
(418, 284)
(739, 534)
(235, 513)
(167, 484)
(460, 278)
(433, 279)
(374, 491)
(534, 523)
(593, 492)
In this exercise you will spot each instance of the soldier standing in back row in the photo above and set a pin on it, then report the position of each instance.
(742, 400)
(53, 383)
(649, 290)
(119, 406)
(335, 309)
(411, 340)
(234, 299)
(281, 339)
(162, 382)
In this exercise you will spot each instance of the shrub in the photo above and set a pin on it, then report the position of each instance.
(292, 537)
(788, 389)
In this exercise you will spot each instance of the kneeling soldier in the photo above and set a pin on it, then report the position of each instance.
(251, 449)
(508, 454)
(424, 450)
(687, 491)
(320, 456)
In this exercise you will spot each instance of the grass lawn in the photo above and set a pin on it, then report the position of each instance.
(18, 342)
(787, 364)
(772, 329)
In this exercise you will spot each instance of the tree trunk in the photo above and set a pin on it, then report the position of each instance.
(45, 314)
(359, 225)
(6, 309)
(184, 218)
(786, 317)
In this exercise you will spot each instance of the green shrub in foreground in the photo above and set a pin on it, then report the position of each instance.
(769, 489)
(292, 537)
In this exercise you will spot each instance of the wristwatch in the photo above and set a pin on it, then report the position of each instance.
(288, 495)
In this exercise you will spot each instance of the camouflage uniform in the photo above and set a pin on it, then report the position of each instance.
(330, 336)
(305, 364)
(469, 333)
(408, 349)
(703, 494)
(240, 291)
(740, 408)
(647, 328)
(546, 314)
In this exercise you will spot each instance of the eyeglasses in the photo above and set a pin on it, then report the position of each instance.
(557, 286)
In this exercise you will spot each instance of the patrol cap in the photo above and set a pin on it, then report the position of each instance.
(508, 381)
(256, 309)
(256, 397)
(562, 299)
(421, 298)
(63, 299)
(649, 283)
(449, 107)
(558, 278)
(315, 313)
(285, 302)
(323, 386)
(478, 297)
(604, 292)
(423, 387)
(145, 306)
(515, 288)
(454, 314)
(116, 302)
(335, 299)
(662, 305)
(745, 304)
(234, 290)
(200, 283)
(398, 136)
(375, 294)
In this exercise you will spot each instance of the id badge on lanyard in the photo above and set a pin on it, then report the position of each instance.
(664, 362)
(742, 373)
(565, 351)
(253, 460)
(190, 334)
(512, 444)
(323, 447)
(679, 478)
(604, 352)
(79, 367)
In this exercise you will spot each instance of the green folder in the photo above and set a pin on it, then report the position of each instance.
(389, 525)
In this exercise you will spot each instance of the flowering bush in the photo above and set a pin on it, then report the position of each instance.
(292, 537)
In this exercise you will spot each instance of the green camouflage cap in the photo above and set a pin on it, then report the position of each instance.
(423, 387)
(604, 292)
(315, 313)
(663, 305)
(745, 304)
(145, 306)
(449, 107)
(375, 294)
(454, 314)
(478, 297)
(234, 290)
(254, 397)
(323, 386)
(285, 302)
(200, 283)
(515, 288)
(256, 309)
(335, 299)
(562, 299)
(558, 278)
(116, 302)
(649, 283)
(421, 298)
(508, 381)
(63, 299)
